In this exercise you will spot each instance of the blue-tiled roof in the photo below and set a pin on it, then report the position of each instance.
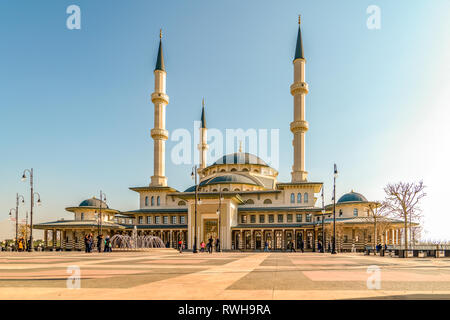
(352, 197)
(93, 202)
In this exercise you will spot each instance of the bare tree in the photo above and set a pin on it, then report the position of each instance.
(378, 215)
(402, 199)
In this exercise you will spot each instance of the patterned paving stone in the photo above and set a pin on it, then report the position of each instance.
(226, 275)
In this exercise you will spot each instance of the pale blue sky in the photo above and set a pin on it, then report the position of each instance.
(74, 104)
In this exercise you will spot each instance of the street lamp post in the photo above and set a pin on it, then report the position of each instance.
(100, 226)
(16, 210)
(218, 213)
(194, 175)
(334, 210)
(323, 224)
(32, 194)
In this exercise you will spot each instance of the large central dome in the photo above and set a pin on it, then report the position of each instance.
(240, 158)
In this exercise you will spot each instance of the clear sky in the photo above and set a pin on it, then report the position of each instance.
(75, 106)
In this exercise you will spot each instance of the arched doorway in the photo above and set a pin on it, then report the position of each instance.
(289, 238)
(299, 239)
(237, 240)
(258, 245)
(309, 240)
(269, 239)
(278, 240)
(248, 240)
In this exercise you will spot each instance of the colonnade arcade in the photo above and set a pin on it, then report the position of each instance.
(71, 239)
(279, 238)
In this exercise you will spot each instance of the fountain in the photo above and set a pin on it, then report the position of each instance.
(135, 242)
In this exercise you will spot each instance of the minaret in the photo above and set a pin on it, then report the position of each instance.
(203, 146)
(299, 126)
(159, 133)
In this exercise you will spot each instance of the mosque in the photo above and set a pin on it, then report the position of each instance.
(238, 198)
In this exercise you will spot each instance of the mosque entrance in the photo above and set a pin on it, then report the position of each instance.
(209, 229)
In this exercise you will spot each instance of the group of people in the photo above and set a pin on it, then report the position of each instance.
(290, 246)
(89, 243)
(209, 245)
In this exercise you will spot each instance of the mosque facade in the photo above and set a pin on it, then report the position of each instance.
(238, 198)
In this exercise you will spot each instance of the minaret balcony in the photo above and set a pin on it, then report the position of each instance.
(159, 97)
(159, 134)
(299, 125)
(299, 88)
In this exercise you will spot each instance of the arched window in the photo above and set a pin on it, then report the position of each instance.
(305, 197)
(214, 190)
(256, 170)
(146, 201)
(292, 198)
(355, 212)
(158, 201)
(181, 203)
(267, 201)
(340, 212)
(249, 201)
(82, 216)
(153, 201)
(233, 169)
(225, 189)
(245, 169)
(299, 197)
(237, 189)
(222, 170)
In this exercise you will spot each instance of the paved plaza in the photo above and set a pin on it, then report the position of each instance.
(167, 274)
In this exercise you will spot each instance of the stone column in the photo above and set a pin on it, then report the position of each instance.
(45, 239)
(54, 239)
(241, 239)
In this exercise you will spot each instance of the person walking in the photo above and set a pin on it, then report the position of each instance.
(99, 242)
(202, 246)
(210, 243)
(86, 243)
(292, 247)
(91, 242)
(107, 244)
(266, 246)
(217, 245)
(180, 245)
(302, 246)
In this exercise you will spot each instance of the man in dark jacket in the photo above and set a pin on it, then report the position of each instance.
(99, 242)
(210, 244)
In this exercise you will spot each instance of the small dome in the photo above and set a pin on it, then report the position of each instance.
(240, 158)
(352, 197)
(93, 202)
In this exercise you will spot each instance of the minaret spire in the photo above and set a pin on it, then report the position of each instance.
(160, 58)
(203, 145)
(159, 133)
(299, 46)
(299, 126)
(203, 114)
